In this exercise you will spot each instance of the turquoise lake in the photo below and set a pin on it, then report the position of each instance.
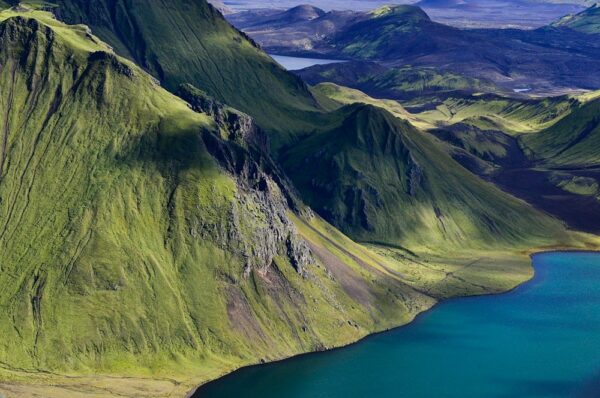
(540, 340)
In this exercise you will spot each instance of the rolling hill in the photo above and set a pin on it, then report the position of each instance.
(407, 83)
(572, 142)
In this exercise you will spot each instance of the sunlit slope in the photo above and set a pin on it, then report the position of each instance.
(146, 242)
(333, 97)
(387, 30)
(490, 112)
(188, 41)
(573, 141)
(587, 21)
(379, 179)
(401, 83)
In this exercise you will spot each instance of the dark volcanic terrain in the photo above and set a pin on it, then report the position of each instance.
(547, 60)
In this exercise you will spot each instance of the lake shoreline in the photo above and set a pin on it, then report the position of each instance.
(534, 277)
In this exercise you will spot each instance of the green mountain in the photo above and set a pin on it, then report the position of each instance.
(149, 241)
(147, 247)
(188, 41)
(572, 142)
(379, 179)
(388, 30)
(587, 21)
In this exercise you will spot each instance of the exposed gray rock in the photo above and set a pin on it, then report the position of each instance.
(240, 148)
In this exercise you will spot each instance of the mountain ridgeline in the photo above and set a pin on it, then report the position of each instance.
(380, 179)
(587, 21)
(403, 36)
(189, 41)
(174, 205)
(139, 236)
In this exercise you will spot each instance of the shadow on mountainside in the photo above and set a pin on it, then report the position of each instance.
(516, 174)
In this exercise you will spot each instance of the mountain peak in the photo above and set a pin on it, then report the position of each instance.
(402, 10)
(303, 12)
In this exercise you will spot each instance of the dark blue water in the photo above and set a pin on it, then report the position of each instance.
(541, 340)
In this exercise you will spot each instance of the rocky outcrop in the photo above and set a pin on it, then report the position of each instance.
(238, 126)
(415, 175)
(240, 147)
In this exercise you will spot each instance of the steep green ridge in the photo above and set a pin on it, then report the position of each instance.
(149, 246)
(387, 30)
(379, 179)
(188, 41)
(587, 21)
(573, 141)
(483, 134)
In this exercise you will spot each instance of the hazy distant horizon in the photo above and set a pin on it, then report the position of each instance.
(521, 14)
(327, 5)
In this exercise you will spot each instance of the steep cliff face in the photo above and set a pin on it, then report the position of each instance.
(240, 147)
(139, 237)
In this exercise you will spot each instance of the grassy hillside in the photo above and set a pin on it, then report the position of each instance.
(332, 97)
(491, 112)
(446, 98)
(151, 244)
(188, 41)
(145, 247)
(572, 141)
(401, 83)
(379, 179)
(387, 30)
(587, 21)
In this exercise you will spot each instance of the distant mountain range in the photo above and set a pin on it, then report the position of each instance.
(540, 60)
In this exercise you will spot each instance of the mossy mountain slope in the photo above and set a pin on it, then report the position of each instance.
(189, 41)
(390, 30)
(140, 238)
(379, 179)
(572, 141)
